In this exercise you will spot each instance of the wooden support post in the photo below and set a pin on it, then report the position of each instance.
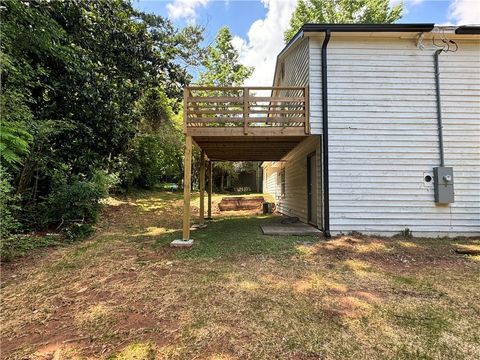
(185, 109)
(202, 189)
(187, 183)
(246, 94)
(210, 189)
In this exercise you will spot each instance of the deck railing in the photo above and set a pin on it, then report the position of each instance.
(247, 108)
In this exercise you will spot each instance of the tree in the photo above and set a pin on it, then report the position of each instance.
(76, 69)
(342, 11)
(155, 153)
(222, 68)
(72, 75)
(221, 64)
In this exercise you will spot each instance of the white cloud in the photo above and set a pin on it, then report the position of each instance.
(186, 9)
(407, 4)
(465, 12)
(264, 41)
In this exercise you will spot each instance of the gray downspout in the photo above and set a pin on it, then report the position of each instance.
(439, 107)
(326, 198)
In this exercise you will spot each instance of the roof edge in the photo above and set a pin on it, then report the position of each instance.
(468, 30)
(420, 27)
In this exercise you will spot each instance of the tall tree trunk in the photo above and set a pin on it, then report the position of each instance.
(25, 178)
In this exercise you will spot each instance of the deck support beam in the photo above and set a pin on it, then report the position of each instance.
(187, 183)
(202, 191)
(210, 190)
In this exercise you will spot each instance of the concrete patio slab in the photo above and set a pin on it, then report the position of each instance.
(299, 229)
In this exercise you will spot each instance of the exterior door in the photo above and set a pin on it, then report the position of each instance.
(312, 188)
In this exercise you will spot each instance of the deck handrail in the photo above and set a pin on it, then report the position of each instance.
(216, 107)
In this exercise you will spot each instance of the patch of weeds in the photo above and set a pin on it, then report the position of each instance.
(20, 245)
(405, 233)
(96, 318)
(404, 280)
(63, 265)
(422, 320)
(136, 351)
(416, 283)
(78, 256)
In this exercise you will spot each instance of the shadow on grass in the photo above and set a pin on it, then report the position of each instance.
(231, 237)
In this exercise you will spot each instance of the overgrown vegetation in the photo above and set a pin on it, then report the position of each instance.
(88, 88)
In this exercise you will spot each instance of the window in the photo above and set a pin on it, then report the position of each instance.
(282, 182)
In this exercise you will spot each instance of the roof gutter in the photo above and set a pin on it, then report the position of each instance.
(367, 28)
(439, 107)
(468, 30)
(326, 192)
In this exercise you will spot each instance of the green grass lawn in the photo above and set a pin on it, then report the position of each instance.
(237, 294)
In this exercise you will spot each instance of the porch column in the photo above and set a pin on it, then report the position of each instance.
(210, 189)
(202, 189)
(187, 183)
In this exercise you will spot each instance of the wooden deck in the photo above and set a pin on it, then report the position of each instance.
(239, 124)
(246, 111)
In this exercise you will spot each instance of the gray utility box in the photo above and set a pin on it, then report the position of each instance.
(443, 185)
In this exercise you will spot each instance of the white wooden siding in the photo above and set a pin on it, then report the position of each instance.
(270, 179)
(295, 64)
(296, 73)
(295, 163)
(383, 134)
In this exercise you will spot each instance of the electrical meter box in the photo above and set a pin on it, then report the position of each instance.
(443, 185)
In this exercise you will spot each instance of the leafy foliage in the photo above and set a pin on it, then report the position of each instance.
(222, 67)
(14, 142)
(74, 200)
(155, 153)
(83, 65)
(342, 11)
(82, 84)
(8, 207)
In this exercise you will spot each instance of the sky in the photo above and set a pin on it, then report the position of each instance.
(258, 25)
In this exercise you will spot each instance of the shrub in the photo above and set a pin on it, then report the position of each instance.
(152, 159)
(8, 207)
(9, 224)
(74, 200)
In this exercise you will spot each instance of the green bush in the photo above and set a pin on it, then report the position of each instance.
(74, 200)
(153, 158)
(8, 207)
(9, 224)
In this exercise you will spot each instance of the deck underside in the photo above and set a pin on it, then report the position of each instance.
(245, 148)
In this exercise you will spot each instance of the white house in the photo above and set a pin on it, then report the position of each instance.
(380, 119)
(367, 128)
